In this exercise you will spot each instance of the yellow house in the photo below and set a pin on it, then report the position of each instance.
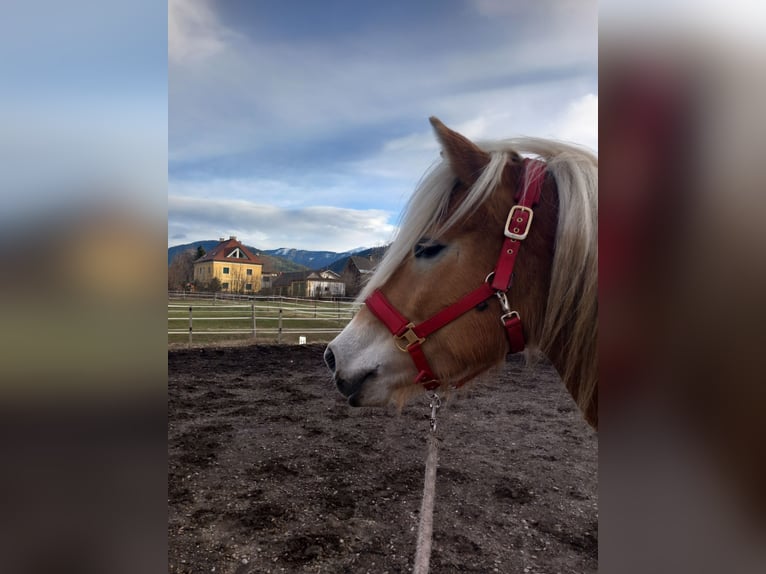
(238, 270)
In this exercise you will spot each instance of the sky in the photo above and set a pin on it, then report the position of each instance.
(305, 124)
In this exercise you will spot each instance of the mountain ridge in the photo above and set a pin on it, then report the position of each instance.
(312, 259)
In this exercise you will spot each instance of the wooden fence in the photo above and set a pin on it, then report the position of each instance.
(265, 319)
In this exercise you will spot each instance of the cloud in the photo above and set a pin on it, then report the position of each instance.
(277, 110)
(579, 123)
(194, 32)
(502, 114)
(248, 94)
(546, 8)
(270, 227)
(354, 191)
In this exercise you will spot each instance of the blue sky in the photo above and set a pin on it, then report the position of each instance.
(305, 124)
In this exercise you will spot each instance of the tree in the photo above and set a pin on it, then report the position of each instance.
(240, 279)
(200, 252)
(181, 271)
(214, 286)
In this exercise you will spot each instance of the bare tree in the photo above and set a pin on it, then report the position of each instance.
(239, 279)
(181, 271)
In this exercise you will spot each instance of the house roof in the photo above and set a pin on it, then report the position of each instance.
(230, 251)
(364, 264)
(285, 279)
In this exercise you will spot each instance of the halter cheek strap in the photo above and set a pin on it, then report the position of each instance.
(409, 337)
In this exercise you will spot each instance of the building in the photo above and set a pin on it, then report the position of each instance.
(313, 284)
(356, 272)
(235, 266)
(267, 281)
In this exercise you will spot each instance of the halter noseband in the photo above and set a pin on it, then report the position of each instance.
(410, 337)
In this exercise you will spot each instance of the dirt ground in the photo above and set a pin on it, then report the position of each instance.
(271, 471)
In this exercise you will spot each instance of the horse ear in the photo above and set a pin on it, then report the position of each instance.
(466, 159)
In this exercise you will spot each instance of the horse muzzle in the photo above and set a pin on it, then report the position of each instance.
(350, 385)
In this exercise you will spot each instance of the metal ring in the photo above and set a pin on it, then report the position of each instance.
(490, 276)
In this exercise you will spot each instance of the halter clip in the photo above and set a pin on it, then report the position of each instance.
(435, 403)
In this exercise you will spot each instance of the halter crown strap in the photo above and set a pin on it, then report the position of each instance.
(518, 223)
(410, 337)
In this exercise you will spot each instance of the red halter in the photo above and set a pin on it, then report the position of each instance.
(410, 337)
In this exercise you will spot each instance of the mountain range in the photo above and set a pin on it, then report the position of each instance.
(312, 259)
(285, 259)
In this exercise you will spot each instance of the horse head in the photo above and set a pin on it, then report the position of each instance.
(447, 246)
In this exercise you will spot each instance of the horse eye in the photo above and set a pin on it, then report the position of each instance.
(428, 249)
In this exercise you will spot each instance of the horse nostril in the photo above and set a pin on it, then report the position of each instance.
(329, 359)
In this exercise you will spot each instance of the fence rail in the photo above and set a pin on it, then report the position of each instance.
(224, 296)
(279, 319)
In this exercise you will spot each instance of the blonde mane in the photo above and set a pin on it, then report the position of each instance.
(572, 306)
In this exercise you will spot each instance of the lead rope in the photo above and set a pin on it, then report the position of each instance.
(425, 529)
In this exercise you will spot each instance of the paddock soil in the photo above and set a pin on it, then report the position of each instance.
(271, 471)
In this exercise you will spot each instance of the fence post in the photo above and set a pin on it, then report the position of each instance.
(252, 312)
(279, 331)
(190, 325)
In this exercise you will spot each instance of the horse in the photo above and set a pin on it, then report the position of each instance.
(505, 229)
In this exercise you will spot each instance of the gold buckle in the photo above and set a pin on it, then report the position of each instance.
(410, 337)
(512, 228)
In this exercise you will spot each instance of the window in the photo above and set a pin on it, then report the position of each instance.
(225, 270)
(249, 271)
(249, 287)
(237, 254)
(224, 285)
